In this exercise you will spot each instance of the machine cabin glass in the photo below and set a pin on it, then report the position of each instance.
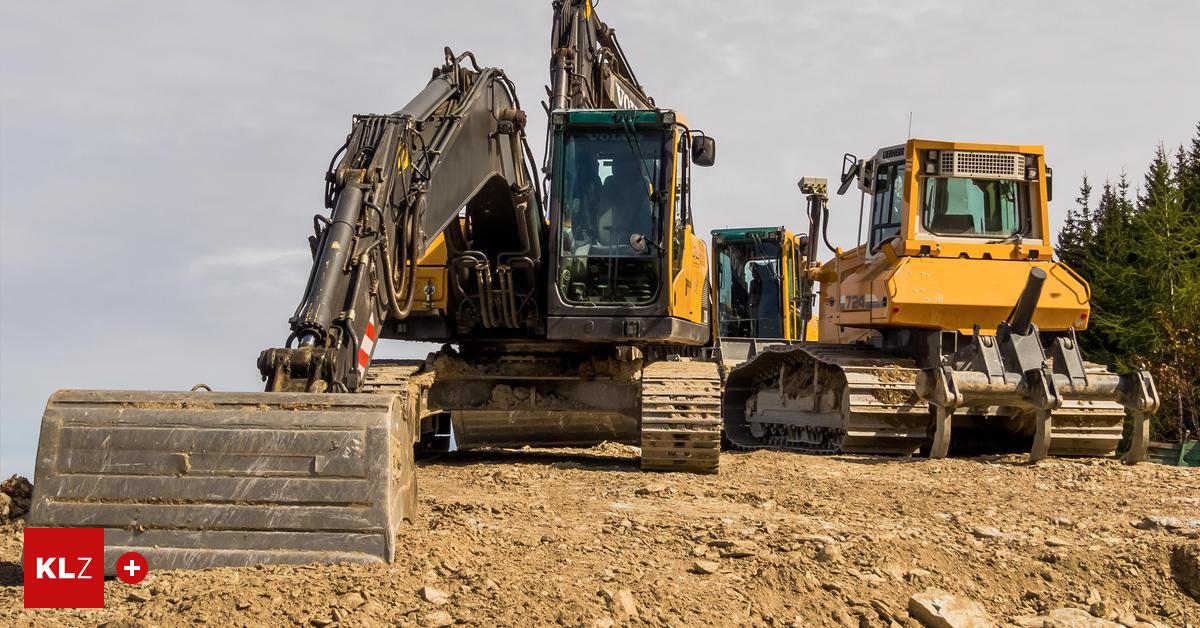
(887, 203)
(613, 184)
(749, 289)
(966, 207)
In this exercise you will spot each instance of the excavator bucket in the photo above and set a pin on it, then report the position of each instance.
(205, 479)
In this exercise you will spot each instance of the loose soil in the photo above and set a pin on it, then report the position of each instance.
(581, 537)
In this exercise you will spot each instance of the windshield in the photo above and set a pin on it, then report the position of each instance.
(609, 192)
(749, 290)
(973, 207)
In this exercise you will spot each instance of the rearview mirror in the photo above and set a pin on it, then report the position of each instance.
(704, 150)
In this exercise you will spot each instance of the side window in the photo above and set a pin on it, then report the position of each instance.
(887, 203)
(679, 216)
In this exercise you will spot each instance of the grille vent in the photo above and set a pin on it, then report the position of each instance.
(957, 163)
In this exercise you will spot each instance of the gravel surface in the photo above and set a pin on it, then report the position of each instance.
(582, 538)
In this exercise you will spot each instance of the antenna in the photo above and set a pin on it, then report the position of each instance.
(909, 125)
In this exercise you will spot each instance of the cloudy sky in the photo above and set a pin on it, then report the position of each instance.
(160, 161)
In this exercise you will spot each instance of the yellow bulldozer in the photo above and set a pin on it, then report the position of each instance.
(951, 324)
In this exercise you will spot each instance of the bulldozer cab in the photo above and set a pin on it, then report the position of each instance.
(629, 266)
(964, 196)
(944, 221)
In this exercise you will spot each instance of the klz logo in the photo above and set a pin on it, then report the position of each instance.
(64, 568)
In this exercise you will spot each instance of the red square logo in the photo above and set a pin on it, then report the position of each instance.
(64, 567)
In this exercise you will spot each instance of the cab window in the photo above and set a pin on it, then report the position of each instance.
(887, 203)
(960, 206)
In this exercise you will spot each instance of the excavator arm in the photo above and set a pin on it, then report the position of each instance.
(588, 68)
(401, 180)
(301, 473)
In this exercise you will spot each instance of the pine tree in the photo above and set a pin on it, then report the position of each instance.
(1143, 264)
(1159, 180)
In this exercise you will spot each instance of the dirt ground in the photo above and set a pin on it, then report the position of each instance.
(581, 537)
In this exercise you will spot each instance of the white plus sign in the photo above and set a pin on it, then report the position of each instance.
(132, 568)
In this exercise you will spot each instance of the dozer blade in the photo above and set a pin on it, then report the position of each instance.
(198, 480)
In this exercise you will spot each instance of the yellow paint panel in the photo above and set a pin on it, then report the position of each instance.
(953, 293)
(431, 271)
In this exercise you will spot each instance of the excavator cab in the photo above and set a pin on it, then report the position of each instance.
(757, 285)
(629, 265)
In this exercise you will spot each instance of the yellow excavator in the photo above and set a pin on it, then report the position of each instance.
(757, 276)
(573, 313)
(952, 324)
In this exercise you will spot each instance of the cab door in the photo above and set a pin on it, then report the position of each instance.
(689, 254)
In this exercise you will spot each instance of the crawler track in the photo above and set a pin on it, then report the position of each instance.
(866, 402)
(681, 422)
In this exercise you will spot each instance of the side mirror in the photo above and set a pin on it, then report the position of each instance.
(1049, 184)
(704, 150)
(851, 166)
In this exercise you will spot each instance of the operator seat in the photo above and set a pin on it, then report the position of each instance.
(625, 205)
(953, 224)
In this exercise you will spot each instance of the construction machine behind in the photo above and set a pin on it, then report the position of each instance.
(951, 325)
(757, 276)
(577, 315)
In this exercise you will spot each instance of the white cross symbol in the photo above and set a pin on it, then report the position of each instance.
(132, 568)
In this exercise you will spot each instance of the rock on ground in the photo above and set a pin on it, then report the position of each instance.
(937, 608)
(15, 495)
(1185, 568)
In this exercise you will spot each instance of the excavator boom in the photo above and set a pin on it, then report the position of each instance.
(401, 181)
(305, 471)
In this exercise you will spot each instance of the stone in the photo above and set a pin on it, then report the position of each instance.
(125, 622)
(705, 567)
(352, 600)
(1158, 523)
(828, 554)
(1076, 618)
(827, 550)
(242, 605)
(138, 596)
(699, 550)
(740, 549)
(20, 493)
(985, 532)
(434, 596)
(603, 622)
(652, 489)
(1185, 569)
(936, 608)
(624, 605)
(438, 619)
(1054, 541)
(916, 573)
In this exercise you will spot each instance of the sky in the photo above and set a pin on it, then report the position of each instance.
(160, 162)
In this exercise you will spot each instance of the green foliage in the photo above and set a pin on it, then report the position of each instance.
(1142, 258)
